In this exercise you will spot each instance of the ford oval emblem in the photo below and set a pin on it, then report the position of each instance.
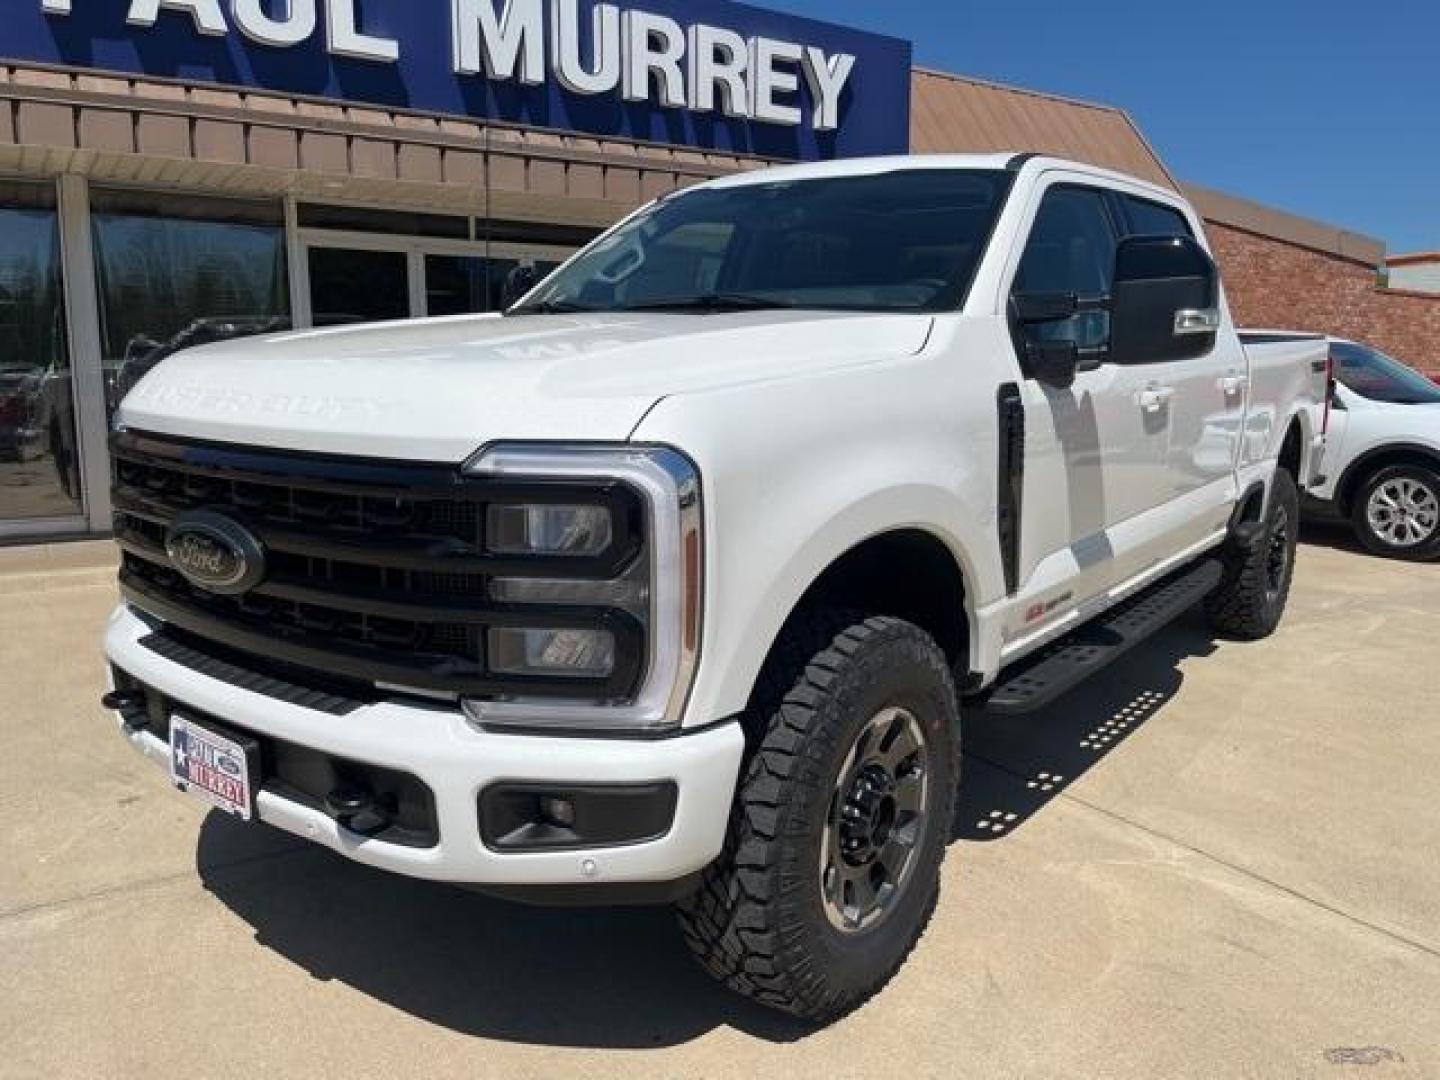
(215, 552)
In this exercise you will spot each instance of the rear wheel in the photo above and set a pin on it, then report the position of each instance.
(1396, 512)
(831, 867)
(1252, 594)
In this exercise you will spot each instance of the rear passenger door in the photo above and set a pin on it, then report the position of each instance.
(1095, 453)
(1204, 401)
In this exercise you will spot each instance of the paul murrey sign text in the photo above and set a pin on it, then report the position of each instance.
(643, 56)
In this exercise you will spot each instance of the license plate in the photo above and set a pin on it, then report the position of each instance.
(211, 766)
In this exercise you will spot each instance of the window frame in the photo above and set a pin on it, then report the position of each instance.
(56, 196)
(415, 249)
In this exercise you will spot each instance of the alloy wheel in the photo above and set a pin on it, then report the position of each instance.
(875, 822)
(1277, 553)
(1403, 512)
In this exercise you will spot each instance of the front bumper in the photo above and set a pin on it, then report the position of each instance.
(457, 762)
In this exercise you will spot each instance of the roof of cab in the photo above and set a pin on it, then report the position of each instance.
(874, 166)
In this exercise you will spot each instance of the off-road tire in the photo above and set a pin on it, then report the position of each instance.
(1423, 550)
(1251, 597)
(758, 922)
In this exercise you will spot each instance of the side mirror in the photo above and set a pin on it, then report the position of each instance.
(518, 282)
(1164, 303)
(1059, 335)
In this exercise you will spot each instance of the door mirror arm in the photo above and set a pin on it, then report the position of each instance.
(1053, 363)
(1056, 363)
(1091, 358)
(1055, 307)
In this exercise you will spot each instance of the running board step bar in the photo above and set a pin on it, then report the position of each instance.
(1036, 681)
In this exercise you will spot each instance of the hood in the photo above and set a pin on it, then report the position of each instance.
(438, 389)
(1423, 416)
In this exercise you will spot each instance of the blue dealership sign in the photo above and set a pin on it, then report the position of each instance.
(705, 73)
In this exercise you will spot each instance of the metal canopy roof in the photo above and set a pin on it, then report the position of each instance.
(957, 113)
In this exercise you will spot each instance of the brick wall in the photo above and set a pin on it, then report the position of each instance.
(1272, 283)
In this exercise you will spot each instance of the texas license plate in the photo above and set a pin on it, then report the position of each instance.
(211, 766)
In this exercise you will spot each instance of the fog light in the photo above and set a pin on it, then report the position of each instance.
(579, 653)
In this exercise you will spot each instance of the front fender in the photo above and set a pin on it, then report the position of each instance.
(735, 654)
(796, 474)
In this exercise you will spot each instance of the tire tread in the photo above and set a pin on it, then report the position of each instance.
(1238, 606)
(735, 923)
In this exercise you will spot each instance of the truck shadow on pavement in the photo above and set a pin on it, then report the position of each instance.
(1015, 765)
(612, 977)
(1338, 535)
(619, 977)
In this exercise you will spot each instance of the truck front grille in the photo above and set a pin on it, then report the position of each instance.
(374, 570)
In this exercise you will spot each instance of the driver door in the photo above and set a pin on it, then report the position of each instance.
(1095, 450)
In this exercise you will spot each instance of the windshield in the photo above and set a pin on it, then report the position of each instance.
(898, 241)
(1374, 375)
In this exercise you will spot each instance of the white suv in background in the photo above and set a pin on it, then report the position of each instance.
(1382, 458)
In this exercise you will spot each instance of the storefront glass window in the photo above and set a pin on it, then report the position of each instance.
(168, 283)
(39, 460)
(357, 285)
(465, 284)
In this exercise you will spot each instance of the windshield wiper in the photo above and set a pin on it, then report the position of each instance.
(713, 302)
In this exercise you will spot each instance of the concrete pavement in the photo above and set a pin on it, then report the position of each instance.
(1219, 860)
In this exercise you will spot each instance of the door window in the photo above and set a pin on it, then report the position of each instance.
(1154, 219)
(39, 459)
(1071, 250)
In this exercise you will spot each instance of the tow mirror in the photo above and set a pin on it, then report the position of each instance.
(1165, 301)
(1059, 335)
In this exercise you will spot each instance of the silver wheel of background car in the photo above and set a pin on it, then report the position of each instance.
(1403, 511)
(877, 812)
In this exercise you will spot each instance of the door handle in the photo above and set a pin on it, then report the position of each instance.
(1234, 384)
(1154, 398)
(1196, 321)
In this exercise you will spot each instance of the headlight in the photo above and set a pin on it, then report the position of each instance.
(548, 530)
(651, 578)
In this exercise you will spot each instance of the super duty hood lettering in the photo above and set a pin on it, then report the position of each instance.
(222, 400)
(435, 390)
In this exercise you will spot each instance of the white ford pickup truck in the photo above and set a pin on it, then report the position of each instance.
(673, 582)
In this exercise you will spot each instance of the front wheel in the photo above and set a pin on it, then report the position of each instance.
(1396, 512)
(831, 867)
